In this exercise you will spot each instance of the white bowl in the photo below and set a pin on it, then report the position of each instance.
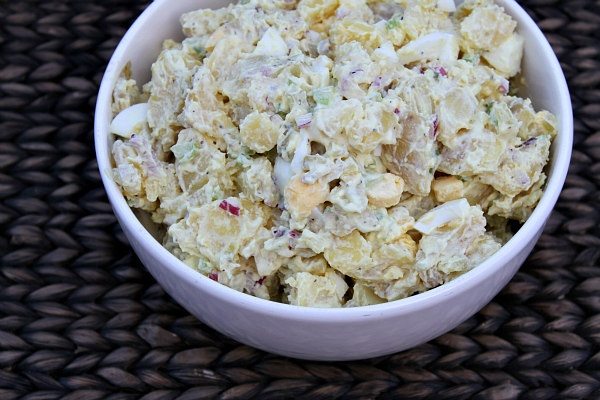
(330, 334)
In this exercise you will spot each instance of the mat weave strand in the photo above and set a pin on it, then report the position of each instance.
(81, 319)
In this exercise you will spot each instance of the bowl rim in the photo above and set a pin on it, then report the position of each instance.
(411, 304)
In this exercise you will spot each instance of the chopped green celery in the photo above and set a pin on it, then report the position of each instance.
(323, 96)
(184, 151)
(472, 58)
(393, 23)
(488, 107)
(200, 51)
(492, 114)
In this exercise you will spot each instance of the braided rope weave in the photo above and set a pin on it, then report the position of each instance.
(81, 319)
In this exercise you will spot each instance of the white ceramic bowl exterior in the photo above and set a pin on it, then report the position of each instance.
(330, 334)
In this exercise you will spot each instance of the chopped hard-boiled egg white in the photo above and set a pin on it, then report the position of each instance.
(129, 120)
(282, 173)
(446, 5)
(441, 215)
(302, 150)
(334, 153)
(386, 51)
(271, 44)
(442, 46)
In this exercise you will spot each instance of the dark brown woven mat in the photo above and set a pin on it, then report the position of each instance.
(81, 319)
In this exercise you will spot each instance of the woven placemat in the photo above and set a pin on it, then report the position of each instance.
(80, 318)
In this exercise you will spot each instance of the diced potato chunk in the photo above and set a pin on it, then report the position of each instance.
(257, 182)
(506, 58)
(310, 290)
(520, 168)
(400, 252)
(363, 295)
(315, 11)
(228, 232)
(301, 199)
(315, 265)
(414, 156)
(486, 28)
(385, 191)
(521, 206)
(455, 112)
(351, 255)
(447, 188)
(421, 18)
(258, 132)
(348, 30)
(202, 22)
(403, 287)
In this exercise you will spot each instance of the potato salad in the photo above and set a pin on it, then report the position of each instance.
(334, 153)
